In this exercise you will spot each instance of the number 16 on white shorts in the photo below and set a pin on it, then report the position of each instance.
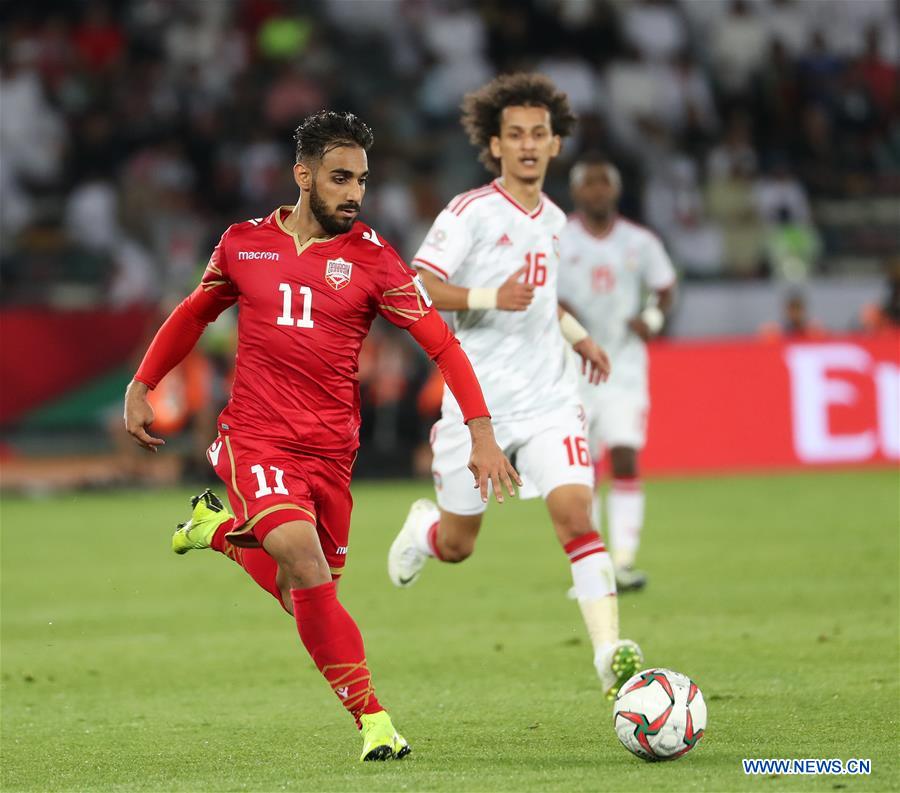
(548, 450)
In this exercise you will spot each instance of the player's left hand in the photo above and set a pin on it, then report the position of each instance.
(139, 416)
(489, 464)
(638, 326)
(594, 361)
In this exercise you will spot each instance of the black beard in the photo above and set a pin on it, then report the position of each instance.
(332, 224)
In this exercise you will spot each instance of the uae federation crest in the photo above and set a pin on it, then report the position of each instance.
(337, 273)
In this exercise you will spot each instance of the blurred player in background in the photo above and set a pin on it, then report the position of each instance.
(607, 264)
(492, 258)
(309, 281)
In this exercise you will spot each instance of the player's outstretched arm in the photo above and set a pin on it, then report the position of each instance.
(512, 295)
(594, 360)
(487, 462)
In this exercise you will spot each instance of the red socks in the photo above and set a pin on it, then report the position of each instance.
(327, 631)
(432, 540)
(335, 644)
(261, 567)
(583, 546)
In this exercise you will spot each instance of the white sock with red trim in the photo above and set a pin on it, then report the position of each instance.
(595, 588)
(625, 513)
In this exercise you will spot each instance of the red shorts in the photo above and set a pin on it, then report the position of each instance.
(268, 485)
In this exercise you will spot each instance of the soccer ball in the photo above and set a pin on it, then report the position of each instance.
(659, 714)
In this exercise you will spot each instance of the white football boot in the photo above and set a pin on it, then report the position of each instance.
(406, 557)
(630, 580)
(615, 663)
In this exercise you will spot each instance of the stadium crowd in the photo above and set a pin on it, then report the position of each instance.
(132, 133)
(759, 138)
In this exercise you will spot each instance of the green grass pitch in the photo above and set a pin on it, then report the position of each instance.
(127, 668)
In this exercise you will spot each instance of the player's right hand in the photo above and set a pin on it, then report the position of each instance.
(489, 464)
(139, 416)
(515, 295)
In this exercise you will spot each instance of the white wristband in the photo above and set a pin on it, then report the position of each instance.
(572, 330)
(653, 319)
(481, 298)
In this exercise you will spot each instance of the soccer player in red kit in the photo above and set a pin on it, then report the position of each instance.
(309, 281)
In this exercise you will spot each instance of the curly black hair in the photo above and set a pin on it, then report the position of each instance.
(482, 109)
(325, 130)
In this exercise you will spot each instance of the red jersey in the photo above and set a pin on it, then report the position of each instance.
(304, 310)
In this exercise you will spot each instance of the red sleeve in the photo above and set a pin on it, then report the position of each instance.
(185, 325)
(433, 335)
(403, 298)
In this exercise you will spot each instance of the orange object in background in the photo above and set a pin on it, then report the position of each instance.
(181, 394)
(431, 395)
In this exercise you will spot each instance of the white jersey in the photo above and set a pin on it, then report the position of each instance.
(603, 279)
(519, 357)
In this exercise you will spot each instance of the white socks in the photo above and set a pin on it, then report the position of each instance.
(625, 516)
(595, 588)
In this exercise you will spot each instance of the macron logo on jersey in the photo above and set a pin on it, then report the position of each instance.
(268, 255)
(372, 237)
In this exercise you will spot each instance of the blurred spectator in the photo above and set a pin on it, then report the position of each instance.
(455, 37)
(99, 40)
(886, 316)
(849, 20)
(792, 246)
(655, 28)
(788, 24)
(685, 99)
(780, 193)
(674, 205)
(777, 97)
(734, 151)
(796, 324)
(730, 200)
(739, 41)
(633, 90)
(878, 75)
(816, 154)
(32, 132)
(819, 69)
(91, 220)
(572, 74)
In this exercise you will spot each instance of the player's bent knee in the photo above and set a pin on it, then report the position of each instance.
(304, 572)
(295, 547)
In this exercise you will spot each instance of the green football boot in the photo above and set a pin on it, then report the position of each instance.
(616, 664)
(208, 514)
(380, 740)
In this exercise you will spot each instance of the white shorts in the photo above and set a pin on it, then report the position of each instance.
(616, 417)
(548, 451)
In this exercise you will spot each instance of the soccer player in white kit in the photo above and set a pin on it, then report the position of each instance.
(607, 266)
(492, 258)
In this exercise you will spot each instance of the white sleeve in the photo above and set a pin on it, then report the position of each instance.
(446, 246)
(657, 267)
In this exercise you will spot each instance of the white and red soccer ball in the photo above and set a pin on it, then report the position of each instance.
(659, 714)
